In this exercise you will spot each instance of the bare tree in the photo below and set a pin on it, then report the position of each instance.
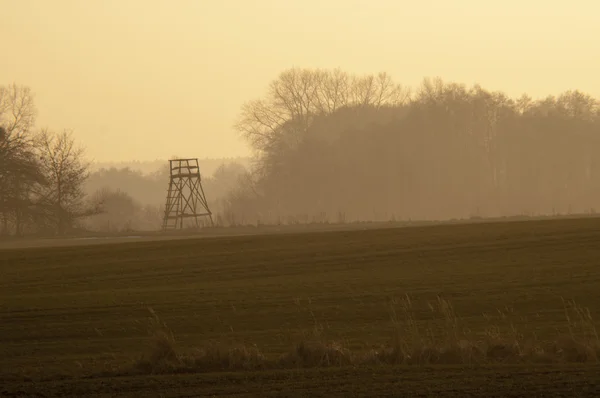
(19, 170)
(17, 116)
(298, 96)
(120, 212)
(65, 170)
(334, 92)
(17, 109)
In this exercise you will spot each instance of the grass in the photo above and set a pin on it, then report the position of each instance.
(475, 295)
(452, 344)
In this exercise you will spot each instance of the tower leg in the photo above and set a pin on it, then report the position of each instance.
(185, 196)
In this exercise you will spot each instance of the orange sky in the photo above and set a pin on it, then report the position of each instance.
(148, 79)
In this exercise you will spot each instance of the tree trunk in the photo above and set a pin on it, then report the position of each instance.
(3, 215)
(4, 230)
(18, 221)
(61, 219)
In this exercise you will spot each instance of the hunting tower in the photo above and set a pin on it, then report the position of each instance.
(185, 197)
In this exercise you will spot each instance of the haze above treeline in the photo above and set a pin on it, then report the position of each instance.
(140, 79)
(330, 146)
(208, 166)
(297, 116)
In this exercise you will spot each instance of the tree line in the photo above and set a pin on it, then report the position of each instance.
(331, 146)
(41, 171)
(135, 201)
(47, 186)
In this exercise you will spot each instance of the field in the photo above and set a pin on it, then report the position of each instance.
(486, 309)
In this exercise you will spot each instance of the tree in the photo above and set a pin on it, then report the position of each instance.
(19, 169)
(377, 90)
(297, 96)
(17, 109)
(452, 151)
(143, 189)
(20, 177)
(119, 211)
(65, 170)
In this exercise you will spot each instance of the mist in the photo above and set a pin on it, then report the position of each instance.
(148, 79)
(344, 121)
(133, 195)
(338, 147)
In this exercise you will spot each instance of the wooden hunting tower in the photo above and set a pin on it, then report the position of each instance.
(185, 197)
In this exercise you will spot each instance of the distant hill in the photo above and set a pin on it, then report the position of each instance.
(207, 166)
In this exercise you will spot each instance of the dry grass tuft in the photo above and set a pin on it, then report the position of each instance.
(568, 349)
(450, 343)
(162, 356)
(444, 342)
(217, 357)
(317, 354)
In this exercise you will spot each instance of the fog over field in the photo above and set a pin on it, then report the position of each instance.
(329, 146)
(447, 115)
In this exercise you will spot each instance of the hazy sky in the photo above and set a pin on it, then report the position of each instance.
(148, 79)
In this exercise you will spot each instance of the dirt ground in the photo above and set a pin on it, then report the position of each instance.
(73, 315)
